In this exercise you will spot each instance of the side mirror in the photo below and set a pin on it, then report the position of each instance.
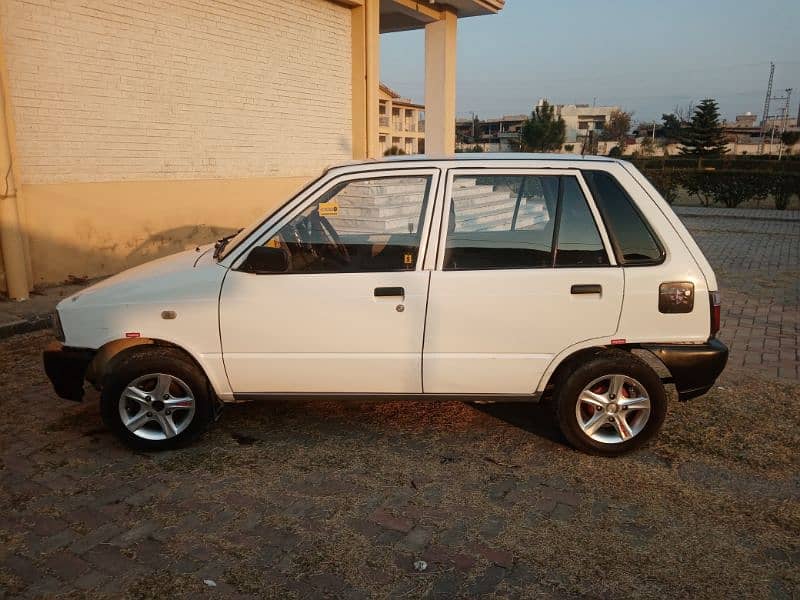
(263, 260)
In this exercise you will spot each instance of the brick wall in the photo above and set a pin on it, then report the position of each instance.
(107, 90)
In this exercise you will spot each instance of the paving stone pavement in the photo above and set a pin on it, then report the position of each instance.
(341, 499)
(757, 263)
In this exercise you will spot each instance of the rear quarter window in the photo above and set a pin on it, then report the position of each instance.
(631, 236)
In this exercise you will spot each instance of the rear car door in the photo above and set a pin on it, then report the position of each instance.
(524, 270)
(348, 315)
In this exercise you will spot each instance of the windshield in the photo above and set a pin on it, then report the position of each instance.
(231, 244)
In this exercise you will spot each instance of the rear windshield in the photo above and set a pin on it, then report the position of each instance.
(633, 239)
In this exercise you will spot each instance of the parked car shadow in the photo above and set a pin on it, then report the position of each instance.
(536, 418)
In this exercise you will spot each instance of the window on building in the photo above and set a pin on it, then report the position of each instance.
(632, 238)
(509, 222)
(358, 226)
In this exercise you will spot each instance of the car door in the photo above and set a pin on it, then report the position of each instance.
(524, 270)
(348, 314)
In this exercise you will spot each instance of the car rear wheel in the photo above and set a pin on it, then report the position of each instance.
(156, 398)
(611, 404)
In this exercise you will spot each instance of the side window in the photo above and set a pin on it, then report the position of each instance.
(501, 222)
(509, 222)
(579, 241)
(357, 226)
(631, 236)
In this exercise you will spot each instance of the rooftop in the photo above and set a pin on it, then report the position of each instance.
(468, 157)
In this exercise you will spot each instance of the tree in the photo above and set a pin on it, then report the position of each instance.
(394, 151)
(543, 131)
(672, 127)
(647, 145)
(617, 127)
(704, 136)
(790, 138)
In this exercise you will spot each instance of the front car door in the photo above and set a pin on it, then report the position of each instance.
(524, 270)
(349, 315)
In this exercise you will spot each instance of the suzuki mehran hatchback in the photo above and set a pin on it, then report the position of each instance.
(499, 278)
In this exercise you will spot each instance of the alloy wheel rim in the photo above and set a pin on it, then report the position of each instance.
(156, 406)
(613, 409)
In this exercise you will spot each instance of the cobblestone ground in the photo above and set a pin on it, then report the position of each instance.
(340, 499)
(757, 263)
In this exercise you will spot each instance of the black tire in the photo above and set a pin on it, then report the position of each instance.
(143, 360)
(575, 378)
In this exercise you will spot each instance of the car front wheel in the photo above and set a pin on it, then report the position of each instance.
(611, 404)
(156, 398)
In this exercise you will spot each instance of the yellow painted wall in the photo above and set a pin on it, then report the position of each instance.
(146, 127)
(93, 229)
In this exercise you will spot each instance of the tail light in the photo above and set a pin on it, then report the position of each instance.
(713, 298)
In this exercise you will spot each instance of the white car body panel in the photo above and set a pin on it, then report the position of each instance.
(460, 332)
(129, 306)
(323, 333)
(496, 331)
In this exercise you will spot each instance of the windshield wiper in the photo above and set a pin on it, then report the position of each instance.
(220, 244)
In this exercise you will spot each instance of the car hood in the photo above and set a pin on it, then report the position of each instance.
(145, 282)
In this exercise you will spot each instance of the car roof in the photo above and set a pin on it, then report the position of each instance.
(471, 157)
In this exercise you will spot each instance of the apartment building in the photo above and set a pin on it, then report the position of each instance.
(580, 119)
(401, 123)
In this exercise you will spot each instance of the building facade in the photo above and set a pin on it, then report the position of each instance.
(131, 130)
(580, 119)
(401, 123)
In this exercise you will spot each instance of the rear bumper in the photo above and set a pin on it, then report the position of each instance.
(66, 368)
(694, 367)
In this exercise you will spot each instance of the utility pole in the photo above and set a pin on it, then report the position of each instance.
(765, 114)
(785, 120)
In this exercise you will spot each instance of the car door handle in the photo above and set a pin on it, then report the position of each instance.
(586, 288)
(386, 292)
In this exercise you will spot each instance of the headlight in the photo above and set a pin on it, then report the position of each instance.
(58, 330)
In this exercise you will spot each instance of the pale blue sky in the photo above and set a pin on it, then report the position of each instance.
(644, 55)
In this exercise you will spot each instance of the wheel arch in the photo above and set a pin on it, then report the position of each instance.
(113, 350)
(569, 358)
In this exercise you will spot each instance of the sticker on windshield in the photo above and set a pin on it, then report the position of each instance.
(329, 209)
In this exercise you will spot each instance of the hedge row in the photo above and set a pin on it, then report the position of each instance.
(727, 163)
(726, 187)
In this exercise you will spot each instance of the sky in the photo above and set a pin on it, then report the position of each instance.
(643, 55)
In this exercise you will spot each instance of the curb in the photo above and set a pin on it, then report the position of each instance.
(32, 323)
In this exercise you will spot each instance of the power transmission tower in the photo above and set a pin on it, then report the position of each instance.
(765, 114)
(779, 118)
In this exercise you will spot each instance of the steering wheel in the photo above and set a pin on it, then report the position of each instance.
(335, 241)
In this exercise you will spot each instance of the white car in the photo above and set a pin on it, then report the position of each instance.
(482, 277)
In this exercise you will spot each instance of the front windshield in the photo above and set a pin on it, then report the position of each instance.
(245, 233)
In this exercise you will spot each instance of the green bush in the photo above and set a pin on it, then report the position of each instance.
(728, 188)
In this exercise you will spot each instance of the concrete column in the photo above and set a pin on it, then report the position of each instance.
(440, 85)
(359, 46)
(12, 238)
(373, 72)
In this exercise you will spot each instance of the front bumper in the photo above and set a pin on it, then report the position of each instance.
(66, 368)
(694, 367)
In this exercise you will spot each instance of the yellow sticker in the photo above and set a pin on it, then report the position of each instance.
(273, 243)
(408, 258)
(329, 209)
